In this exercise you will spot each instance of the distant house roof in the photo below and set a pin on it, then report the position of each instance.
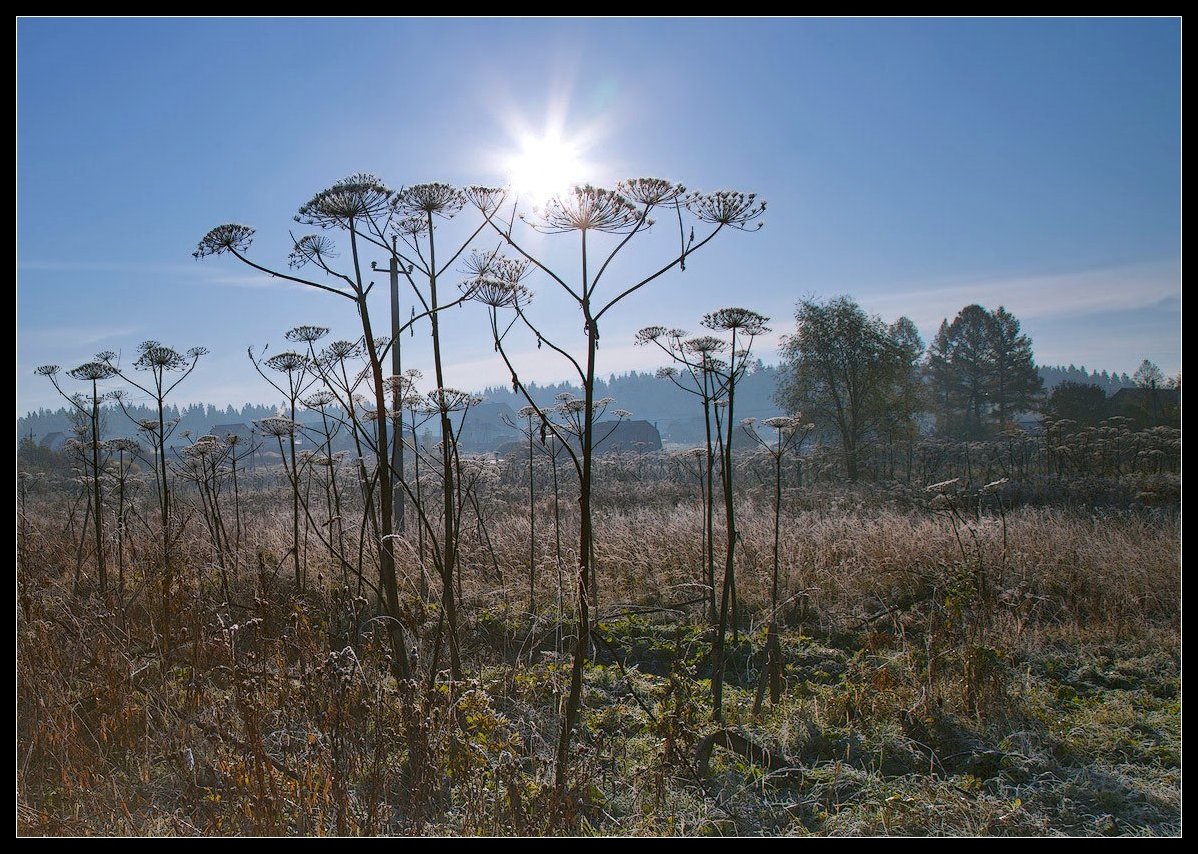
(54, 441)
(637, 437)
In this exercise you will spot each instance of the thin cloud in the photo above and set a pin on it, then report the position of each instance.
(262, 282)
(104, 267)
(533, 366)
(74, 335)
(1057, 295)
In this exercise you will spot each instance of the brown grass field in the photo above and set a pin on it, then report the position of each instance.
(1013, 673)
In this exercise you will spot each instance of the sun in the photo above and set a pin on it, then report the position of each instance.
(544, 167)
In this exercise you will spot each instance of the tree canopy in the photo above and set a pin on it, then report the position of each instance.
(980, 372)
(851, 373)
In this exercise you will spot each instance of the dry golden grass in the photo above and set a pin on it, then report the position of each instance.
(912, 650)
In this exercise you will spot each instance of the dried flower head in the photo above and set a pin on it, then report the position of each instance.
(743, 320)
(666, 373)
(486, 199)
(726, 207)
(359, 196)
(276, 425)
(651, 191)
(409, 227)
(288, 362)
(587, 208)
(782, 422)
(92, 371)
(621, 413)
(446, 400)
(121, 445)
(47, 370)
(198, 450)
(155, 356)
(705, 345)
(497, 293)
(402, 385)
(319, 399)
(310, 248)
(229, 237)
(341, 350)
(478, 264)
(649, 334)
(528, 412)
(307, 334)
(434, 198)
(570, 406)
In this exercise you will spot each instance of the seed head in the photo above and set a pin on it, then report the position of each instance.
(587, 208)
(307, 334)
(319, 399)
(288, 362)
(359, 196)
(705, 345)
(410, 226)
(649, 334)
(128, 446)
(155, 356)
(486, 199)
(726, 207)
(435, 198)
(311, 248)
(341, 350)
(744, 320)
(446, 400)
(782, 422)
(229, 237)
(92, 371)
(651, 191)
(497, 293)
(276, 425)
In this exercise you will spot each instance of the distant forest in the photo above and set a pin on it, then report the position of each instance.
(646, 396)
(1054, 375)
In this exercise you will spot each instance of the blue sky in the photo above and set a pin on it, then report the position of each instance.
(918, 165)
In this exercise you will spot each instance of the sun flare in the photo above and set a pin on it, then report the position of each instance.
(544, 167)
